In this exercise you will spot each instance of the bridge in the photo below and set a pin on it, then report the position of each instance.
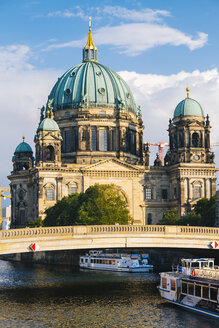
(114, 236)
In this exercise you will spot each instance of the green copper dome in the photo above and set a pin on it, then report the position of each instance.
(48, 124)
(91, 85)
(188, 107)
(23, 147)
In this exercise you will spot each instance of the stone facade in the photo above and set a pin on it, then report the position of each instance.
(149, 190)
(92, 133)
(217, 209)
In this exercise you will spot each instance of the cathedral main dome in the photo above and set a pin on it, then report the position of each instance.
(91, 85)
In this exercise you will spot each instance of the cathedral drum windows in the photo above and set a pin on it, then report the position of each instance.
(67, 141)
(103, 139)
(93, 139)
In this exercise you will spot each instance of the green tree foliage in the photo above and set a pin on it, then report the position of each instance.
(206, 209)
(100, 204)
(36, 223)
(170, 217)
(203, 214)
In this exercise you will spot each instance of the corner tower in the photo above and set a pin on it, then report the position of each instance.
(189, 159)
(96, 113)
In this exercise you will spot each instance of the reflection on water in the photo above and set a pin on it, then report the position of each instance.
(39, 296)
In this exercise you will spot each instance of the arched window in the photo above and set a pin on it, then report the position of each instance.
(50, 154)
(195, 139)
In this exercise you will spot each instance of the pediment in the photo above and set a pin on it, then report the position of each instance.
(112, 165)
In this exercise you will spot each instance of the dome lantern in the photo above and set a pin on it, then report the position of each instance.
(90, 51)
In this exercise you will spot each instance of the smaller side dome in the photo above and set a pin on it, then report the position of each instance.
(188, 107)
(48, 124)
(23, 147)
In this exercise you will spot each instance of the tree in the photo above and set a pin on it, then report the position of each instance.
(36, 223)
(100, 204)
(170, 217)
(202, 214)
(206, 209)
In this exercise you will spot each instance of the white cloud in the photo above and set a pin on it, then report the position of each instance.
(144, 15)
(23, 90)
(75, 12)
(135, 38)
(14, 57)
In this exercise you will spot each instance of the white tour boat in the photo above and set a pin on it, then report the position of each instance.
(193, 286)
(97, 260)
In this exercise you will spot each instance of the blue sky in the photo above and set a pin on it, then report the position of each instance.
(158, 47)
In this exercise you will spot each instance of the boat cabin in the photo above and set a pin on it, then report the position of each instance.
(188, 265)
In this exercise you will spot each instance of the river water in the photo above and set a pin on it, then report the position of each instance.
(42, 296)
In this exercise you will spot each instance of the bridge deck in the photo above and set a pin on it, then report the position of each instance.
(116, 236)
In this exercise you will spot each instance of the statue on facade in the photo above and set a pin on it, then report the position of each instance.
(42, 110)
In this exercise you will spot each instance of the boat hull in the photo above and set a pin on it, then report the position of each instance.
(194, 309)
(119, 269)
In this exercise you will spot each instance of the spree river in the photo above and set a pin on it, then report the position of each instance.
(42, 296)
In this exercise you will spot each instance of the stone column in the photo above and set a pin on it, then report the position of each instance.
(208, 185)
(109, 139)
(190, 191)
(41, 180)
(59, 188)
(98, 146)
(79, 137)
(205, 191)
(90, 138)
(213, 187)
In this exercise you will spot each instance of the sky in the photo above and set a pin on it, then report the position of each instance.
(159, 47)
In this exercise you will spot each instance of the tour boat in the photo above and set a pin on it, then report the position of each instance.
(193, 286)
(97, 260)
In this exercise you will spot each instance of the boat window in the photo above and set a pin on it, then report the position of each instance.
(204, 264)
(205, 292)
(114, 262)
(213, 294)
(184, 287)
(173, 284)
(82, 260)
(104, 261)
(195, 265)
(198, 290)
(85, 260)
(164, 283)
(92, 261)
(107, 262)
(191, 289)
(110, 262)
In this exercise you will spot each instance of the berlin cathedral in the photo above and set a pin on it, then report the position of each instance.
(91, 131)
